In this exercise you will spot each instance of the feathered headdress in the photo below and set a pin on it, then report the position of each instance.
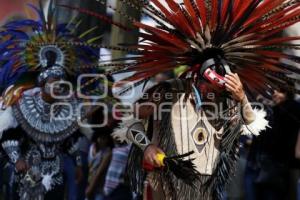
(241, 35)
(30, 47)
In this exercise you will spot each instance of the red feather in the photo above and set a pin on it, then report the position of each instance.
(269, 22)
(236, 4)
(277, 40)
(172, 39)
(182, 22)
(214, 14)
(158, 48)
(202, 11)
(97, 15)
(151, 65)
(256, 82)
(144, 75)
(283, 23)
(165, 11)
(261, 10)
(153, 38)
(224, 12)
(193, 14)
(241, 11)
(287, 17)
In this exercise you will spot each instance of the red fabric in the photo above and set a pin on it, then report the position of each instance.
(147, 166)
(149, 192)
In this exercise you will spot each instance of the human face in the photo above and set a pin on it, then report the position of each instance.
(54, 88)
(278, 97)
(102, 142)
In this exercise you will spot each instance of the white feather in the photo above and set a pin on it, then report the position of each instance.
(120, 133)
(7, 120)
(259, 124)
(47, 181)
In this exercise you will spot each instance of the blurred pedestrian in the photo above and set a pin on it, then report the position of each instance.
(115, 187)
(277, 155)
(84, 145)
(99, 158)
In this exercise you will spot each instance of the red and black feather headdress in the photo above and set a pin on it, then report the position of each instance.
(246, 34)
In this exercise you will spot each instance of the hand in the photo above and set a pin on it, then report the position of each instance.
(21, 166)
(234, 86)
(150, 155)
(78, 174)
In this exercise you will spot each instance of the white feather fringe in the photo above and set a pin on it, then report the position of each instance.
(7, 120)
(47, 181)
(259, 124)
(120, 133)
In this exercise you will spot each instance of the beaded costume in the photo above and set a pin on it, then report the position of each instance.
(34, 129)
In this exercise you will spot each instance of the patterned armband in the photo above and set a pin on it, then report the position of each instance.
(132, 131)
(255, 119)
(247, 111)
(12, 149)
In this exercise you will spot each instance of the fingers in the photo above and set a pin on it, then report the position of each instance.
(151, 159)
(234, 85)
(234, 77)
(151, 155)
(231, 83)
(229, 88)
(237, 77)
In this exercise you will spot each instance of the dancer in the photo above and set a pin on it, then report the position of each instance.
(191, 139)
(42, 62)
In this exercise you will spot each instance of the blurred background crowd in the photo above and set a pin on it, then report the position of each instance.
(268, 167)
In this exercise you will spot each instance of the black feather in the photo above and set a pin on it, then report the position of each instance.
(183, 169)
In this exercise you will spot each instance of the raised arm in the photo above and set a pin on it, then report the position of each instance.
(254, 119)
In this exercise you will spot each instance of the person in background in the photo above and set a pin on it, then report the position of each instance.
(76, 179)
(277, 148)
(69, 177)
(255, 150)
(73, 174)
(84, 145)
(99, 158)
(297, 167)
(115, 187)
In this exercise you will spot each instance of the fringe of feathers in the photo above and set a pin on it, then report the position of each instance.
(7, 120)
(259, 124)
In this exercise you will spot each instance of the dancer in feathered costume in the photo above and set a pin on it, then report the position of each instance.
(41, 61)
(229, 46)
